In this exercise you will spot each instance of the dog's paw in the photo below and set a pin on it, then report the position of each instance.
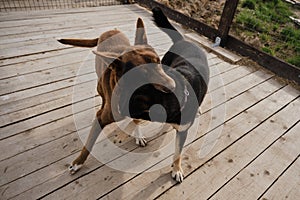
(73, 168)
(177, 176)
(141, 141)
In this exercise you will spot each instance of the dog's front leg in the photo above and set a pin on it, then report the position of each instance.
(93, 135)
(177, 172)
(139, 138)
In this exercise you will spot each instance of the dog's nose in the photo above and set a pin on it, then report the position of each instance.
(167, 85)
(171, 84)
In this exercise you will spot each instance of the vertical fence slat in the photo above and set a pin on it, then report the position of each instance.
(226, 19)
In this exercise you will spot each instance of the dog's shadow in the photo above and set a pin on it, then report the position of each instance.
(118, 149)
(150, 189)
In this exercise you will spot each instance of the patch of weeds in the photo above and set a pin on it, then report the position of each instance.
(290, 34)
(265, 38)
(295, 60)
(268, 50)
(246, 19)
(270, 18)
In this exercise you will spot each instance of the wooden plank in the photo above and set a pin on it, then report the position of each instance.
(14, 168)
(34, 49)
(66, 191)
(15, 188)
(22, 82)
(32, 92)
(214, 61)
(85, 115)
(128, 19)
(229, 77)
(253, 180)
(221, 68)
(83, 92)
(89, 32)
(11, 51)
(71, 22)
(227, 164)
(25, 15)
(43, 119)
(49, 132)
(51, 44)
(70, 57)
(218, 50)
(287, 186)
(35, 57)
(25, 103)
(217, 97)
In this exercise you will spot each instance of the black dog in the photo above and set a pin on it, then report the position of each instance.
(189, 63)
(187, 66)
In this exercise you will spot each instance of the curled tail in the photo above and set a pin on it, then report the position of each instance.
(80, 42)
(162, 22)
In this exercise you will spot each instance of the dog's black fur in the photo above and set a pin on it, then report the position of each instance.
(187, 65)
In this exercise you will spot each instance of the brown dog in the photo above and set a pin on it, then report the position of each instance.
(114, 57)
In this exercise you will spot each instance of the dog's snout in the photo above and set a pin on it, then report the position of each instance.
(163, 81)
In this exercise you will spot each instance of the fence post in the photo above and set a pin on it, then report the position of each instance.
(226, 19)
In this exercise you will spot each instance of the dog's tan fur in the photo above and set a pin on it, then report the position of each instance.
(113, 47)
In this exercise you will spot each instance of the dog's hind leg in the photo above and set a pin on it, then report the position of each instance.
(177, 172)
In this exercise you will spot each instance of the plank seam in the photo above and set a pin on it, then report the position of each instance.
(278, 177)
(254, 159)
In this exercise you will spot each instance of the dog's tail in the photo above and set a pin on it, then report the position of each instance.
(80, 42)
(162, 22)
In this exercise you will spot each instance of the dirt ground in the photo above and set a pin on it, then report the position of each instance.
(208, 11)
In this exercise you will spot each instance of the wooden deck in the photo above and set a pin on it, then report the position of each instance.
(247, 144)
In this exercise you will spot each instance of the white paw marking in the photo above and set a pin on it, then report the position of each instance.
(177, 176)
(141, 141)
(74, 168)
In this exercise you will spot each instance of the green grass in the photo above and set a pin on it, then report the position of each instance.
(269, 21)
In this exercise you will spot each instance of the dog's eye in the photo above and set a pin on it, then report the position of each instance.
(147, 59)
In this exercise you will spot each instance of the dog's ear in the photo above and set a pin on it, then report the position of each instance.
(107, 57)
(140, 34)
